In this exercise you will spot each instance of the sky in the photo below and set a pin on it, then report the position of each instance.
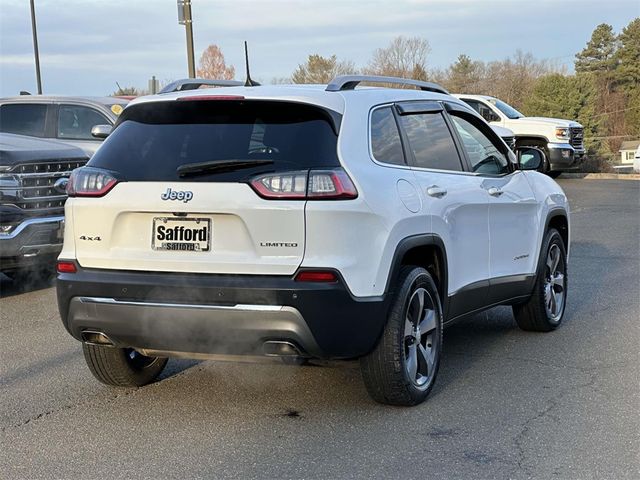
(86, 46)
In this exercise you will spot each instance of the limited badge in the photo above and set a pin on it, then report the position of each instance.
(116, 109)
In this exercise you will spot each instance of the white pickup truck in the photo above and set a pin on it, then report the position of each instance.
(561, 140)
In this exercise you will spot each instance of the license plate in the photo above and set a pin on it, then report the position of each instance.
(181, 234)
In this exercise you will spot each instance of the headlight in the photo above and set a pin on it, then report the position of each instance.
(562, 133)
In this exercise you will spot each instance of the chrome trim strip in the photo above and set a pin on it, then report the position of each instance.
(560, 146)
(29, 222)
(239, 306)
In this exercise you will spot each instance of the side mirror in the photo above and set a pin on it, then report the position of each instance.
(530, 158)
(101, 131)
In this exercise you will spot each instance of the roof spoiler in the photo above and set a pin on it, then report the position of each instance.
(349, 82)
(195, 83)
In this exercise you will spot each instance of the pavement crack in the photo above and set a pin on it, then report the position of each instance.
(95, 400)
(552, 404)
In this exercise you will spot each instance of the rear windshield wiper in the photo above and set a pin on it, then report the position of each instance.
(219, 166)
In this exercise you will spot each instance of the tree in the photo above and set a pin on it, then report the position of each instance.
(599, 55)
(628, 74)
(319, 69)
(213, 66)
(404, 57)
(465, 75)
(628, 55)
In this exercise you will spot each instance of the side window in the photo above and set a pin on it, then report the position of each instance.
(385, 137)
(431, 142)
(484, 111)
(484, 156)
(474, 104)
(75, 122)
(23, 118)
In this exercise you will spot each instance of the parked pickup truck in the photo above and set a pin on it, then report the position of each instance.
(33, 177)
(561, 140)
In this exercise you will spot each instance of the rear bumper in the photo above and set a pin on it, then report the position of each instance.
(202, 314)
(32, 242)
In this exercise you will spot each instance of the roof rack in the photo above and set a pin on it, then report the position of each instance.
(349, 82)
(195, 83)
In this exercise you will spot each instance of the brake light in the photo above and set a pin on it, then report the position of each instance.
(90, 182)
(322, 276)
(65, 266)
(210, 97)
(333, 184)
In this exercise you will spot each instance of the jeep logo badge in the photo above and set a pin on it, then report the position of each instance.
(184, 196)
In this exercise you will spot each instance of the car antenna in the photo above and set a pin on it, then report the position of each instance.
(248, 82)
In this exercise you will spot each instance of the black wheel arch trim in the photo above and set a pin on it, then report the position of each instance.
(415, 241)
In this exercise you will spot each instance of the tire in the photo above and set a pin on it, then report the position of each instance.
(402, 368)
(122, 367)
(554, 174)
(545, 308)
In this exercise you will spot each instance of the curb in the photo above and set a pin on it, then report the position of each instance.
(602, 176)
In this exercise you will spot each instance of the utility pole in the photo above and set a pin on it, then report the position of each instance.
(35, 46)
(185, 18)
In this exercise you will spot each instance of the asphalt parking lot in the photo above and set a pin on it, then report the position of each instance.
(507, 404)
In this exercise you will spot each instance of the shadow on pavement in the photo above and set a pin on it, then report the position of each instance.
(32, 282)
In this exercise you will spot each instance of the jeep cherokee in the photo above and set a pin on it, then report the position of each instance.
(327, 222)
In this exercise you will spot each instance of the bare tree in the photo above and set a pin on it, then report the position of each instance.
(319, 69)
(212, 65)
(404, 57)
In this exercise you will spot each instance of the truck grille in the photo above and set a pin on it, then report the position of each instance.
(30, 186)
(577, 138)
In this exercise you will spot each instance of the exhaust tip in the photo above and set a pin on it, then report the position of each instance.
(91, 337)
(274, 348)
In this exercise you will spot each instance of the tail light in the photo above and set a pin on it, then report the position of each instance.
(333, 184)
(90, 182)
(65, 266)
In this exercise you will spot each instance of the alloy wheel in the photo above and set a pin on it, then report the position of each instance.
(421, 339)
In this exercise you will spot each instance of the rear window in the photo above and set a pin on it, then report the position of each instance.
(155, 139)
(23, 119)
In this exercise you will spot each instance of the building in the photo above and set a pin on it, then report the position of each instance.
(628, 151)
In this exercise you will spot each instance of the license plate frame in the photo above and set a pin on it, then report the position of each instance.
(180, 244)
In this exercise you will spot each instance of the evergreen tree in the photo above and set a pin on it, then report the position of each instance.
(599, 56)
(628, 55)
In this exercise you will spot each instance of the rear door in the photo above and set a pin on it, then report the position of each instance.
(27, 118)
(185, 203)
(457, 204)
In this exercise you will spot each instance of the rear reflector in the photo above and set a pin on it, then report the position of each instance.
(210, 97)
(64, 266)
(323, 276)
(333, 184)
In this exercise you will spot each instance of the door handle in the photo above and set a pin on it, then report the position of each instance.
(436, 191)
(495, 191)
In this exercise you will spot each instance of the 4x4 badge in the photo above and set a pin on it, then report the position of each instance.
(184, 195)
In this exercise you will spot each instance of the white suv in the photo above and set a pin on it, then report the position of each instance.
(327, 222)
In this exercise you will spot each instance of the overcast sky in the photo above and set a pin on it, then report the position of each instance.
(87, 46)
